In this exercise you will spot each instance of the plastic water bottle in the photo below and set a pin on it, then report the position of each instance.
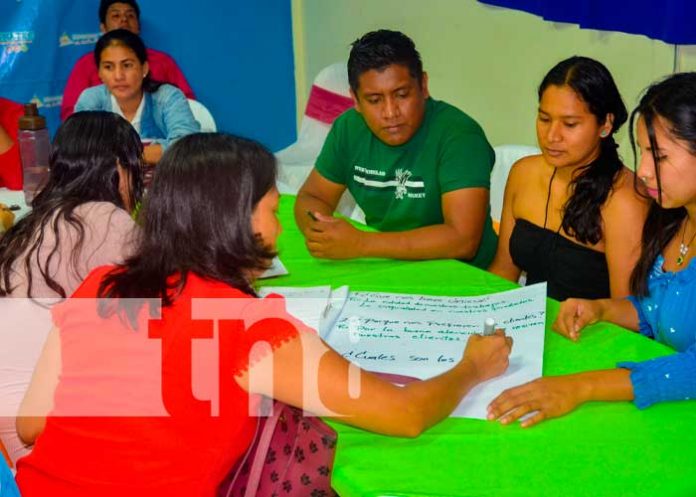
(34, 145)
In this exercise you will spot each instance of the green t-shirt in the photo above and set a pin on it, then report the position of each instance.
(400, 187)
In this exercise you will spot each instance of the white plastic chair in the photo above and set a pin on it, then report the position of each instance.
(329, 97)
(505, 157)
(203, 116)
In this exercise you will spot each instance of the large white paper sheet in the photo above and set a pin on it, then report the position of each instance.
(422, 336)
(308, 304)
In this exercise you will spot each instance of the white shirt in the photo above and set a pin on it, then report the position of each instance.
(138, 113)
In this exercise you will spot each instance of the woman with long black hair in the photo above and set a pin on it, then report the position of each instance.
(79, 220)
(570, 215)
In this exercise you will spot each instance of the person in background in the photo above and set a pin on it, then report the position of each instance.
(80, 220)
(182, 257)
(159, 112)
(10, 163)
(663, 283)
(119, 14)
(419, 168)
(570, 216)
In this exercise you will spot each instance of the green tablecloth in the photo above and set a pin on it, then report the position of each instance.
(600, 449)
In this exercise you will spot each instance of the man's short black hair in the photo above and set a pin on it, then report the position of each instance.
(382, 48)
(105, 4)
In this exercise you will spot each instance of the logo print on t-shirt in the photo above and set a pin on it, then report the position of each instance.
(401, 176)
(404, 183)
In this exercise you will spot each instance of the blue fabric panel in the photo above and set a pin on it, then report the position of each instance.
(668, 20)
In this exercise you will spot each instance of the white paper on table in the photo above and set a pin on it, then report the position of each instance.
(422, 336)
(317, 306)
(308, 304)
(277, 269)
(337, 301)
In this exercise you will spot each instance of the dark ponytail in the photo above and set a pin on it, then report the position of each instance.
(582, 213)
(592, 184)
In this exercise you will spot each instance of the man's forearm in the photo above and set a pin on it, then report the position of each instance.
(430, 242)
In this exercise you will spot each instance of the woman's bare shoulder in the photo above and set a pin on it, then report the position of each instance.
(624, 197)
(624, 189)
(526, 169)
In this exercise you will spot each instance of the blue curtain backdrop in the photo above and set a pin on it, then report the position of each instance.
(236, 54)
(672, 21)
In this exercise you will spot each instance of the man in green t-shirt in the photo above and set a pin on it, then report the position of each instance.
(419, 168)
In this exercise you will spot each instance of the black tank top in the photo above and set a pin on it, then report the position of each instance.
(568, 268)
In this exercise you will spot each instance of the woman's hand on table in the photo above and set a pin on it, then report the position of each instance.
(547, 397)
(152, 153)
(331, 237)
(575, 314)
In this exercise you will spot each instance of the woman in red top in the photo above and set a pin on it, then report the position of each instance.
(153, 398)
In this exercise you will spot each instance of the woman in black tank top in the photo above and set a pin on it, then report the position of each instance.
(571, 216)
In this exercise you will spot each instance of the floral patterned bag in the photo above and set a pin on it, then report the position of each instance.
(291, 455)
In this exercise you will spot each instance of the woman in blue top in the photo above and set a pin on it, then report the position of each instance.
(160, 113)
(663, 283)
